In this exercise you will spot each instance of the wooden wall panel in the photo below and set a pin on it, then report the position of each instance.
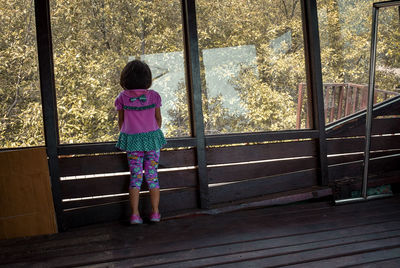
(80, 203)
(377, 167)
(232, 154)
(339, 159)
(109, 163)
(170, 202)
(357, 128)
(384, 165)
(26, 203)
(262, 186)
(120, 184)
(352, 145)
(256, 170)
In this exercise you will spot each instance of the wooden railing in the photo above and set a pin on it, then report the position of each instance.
(346, 144)
(94, 178)
(340, 100)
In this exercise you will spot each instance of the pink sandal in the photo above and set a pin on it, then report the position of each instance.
(136, 219)
(155, 217)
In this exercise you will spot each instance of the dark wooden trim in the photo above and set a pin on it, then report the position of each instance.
(245, 153)
(19, 148)
(262, 186)
(257, 170)
(314, 81)
(48, 95)
(120, 184)
(192, 60)
(352, 145)
(387, 107)
(260, 137)
(357, 128)
(109, 147)
(346, 158)
(91, 202)
(111, 163)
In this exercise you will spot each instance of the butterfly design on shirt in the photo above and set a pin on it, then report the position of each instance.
(141, 98)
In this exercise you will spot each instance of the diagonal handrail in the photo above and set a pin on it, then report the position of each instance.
(378, 109)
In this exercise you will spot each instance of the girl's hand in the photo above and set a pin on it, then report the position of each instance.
(158, 117)
(120, 118)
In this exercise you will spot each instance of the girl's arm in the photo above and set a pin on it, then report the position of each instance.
(158, 117)
(120, 118)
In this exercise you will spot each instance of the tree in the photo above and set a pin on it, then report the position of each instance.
(93, 40)
(20, 110)
(345, 34)
(274, 28)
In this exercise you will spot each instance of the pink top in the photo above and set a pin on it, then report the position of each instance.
(139, 114)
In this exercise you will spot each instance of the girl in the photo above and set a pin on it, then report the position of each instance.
(139, 120)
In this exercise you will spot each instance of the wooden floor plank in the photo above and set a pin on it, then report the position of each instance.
(382, 245)
(388, 263)
(202, 238)
(385, 258)
(305, 208)
(130, 250)
(143, 229)
(266, 247)
(253, 228)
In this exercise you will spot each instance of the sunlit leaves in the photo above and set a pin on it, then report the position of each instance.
(268, 93)
(20, 109)
(92, 40)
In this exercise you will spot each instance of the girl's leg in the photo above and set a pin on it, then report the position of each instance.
(135, 161)
(151, 159)
(134, 200)
(155, 199)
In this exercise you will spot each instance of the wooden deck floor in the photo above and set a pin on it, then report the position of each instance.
(313, 234)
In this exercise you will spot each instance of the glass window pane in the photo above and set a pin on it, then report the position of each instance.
(252, 58)
(93, 40)
(20, 110)
(345, 35)
(387, 78)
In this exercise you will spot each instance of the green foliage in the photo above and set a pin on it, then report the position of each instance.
(20, 109)
(92, 43)
(92, 40)
(345, 34)
(267, 108)
(268, 98)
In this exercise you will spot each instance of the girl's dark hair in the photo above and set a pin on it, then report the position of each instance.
(136, 75)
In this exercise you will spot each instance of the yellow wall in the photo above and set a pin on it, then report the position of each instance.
(26, 202)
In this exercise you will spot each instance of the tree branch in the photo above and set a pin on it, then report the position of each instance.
(18, 82)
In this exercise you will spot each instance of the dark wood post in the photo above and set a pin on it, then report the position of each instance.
(49, 106)
(195, 97)
(314, 82)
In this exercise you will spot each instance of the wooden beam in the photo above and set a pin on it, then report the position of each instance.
(261, 137)
(314, 81)
(48, 95)
(193, 82)
(109, 147)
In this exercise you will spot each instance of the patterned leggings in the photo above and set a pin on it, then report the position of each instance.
(149, 161)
